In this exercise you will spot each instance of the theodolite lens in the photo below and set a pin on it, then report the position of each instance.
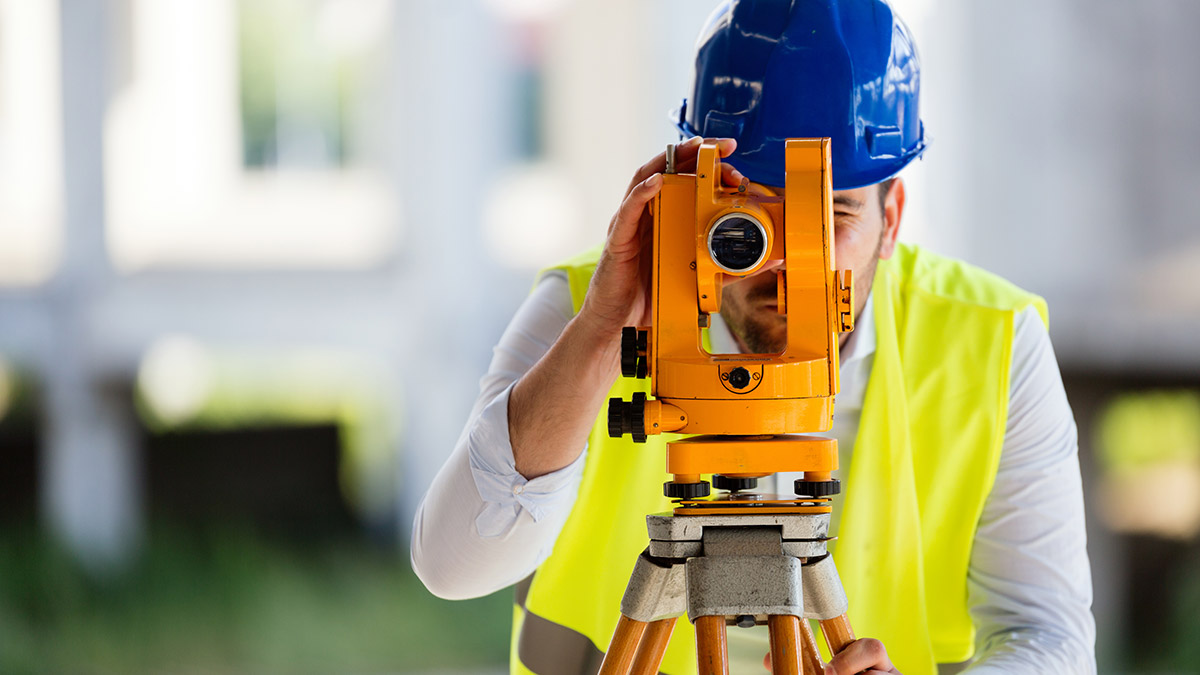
(737, 243)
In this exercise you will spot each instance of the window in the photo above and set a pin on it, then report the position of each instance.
(30, 142)
(239, 138)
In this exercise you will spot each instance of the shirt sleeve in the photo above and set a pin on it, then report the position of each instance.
(482, 526)
(1029, 584)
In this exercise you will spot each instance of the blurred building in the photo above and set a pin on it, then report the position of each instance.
(226, 214)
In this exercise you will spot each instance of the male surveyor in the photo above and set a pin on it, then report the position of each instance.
(961, 533)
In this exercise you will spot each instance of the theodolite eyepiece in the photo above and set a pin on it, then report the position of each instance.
(737, 243)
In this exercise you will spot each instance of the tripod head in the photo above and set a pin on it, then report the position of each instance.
(704, 235)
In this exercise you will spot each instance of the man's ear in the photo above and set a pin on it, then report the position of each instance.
(893, 209)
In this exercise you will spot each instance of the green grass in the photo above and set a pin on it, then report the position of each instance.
(231, 602)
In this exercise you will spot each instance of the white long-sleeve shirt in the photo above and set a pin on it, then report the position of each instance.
(482, 526)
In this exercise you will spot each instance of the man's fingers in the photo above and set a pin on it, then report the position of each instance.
(659, 163)
(864, 654)
(731, 176)
(623, 229)
(648, 179)
(656, 165)
(685, 153)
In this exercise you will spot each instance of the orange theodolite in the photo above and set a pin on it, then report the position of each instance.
(739, 557)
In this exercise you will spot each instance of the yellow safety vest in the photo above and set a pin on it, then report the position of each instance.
(928, 444)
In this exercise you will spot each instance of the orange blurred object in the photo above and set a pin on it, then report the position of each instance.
(704, 232)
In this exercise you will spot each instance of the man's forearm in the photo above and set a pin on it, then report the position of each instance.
(482, 526)
(553, 406)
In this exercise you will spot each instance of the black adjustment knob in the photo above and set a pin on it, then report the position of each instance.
(739, 378)
(817, 488)
(637, 417)
(616, 413)
(629, 351)
(733, 484)
(628, 418)
(674, 490)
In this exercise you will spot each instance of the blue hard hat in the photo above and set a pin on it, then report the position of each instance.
(769, 70)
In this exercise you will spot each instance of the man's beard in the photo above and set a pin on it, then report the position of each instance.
(765, 332)
(759, 331)
(763, 335)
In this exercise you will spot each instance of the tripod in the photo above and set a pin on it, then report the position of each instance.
(739, 559)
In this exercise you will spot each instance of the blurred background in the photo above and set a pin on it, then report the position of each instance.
(254, 255)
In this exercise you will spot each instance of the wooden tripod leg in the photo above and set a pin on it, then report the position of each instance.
(712, 652)
(654, 644)
(838, 633)
(809, 652)
(625, 640)
(785, 644)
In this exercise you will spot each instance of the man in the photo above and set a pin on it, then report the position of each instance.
(961, 530)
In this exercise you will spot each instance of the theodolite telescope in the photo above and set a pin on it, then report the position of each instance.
(738, 558)
(704, 234)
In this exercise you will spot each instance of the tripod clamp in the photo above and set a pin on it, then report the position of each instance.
(735, 566)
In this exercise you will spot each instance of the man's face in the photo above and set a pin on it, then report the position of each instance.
(864, 233)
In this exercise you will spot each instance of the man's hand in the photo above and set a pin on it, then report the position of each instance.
(864, 655)
(552, 407)
(619, 294)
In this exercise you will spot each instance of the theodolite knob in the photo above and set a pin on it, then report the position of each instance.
(817, 488)
(739, 378)
(616, 413)
(674, 490)
(628, 418)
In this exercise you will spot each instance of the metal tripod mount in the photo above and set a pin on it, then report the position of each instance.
(722, 570)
